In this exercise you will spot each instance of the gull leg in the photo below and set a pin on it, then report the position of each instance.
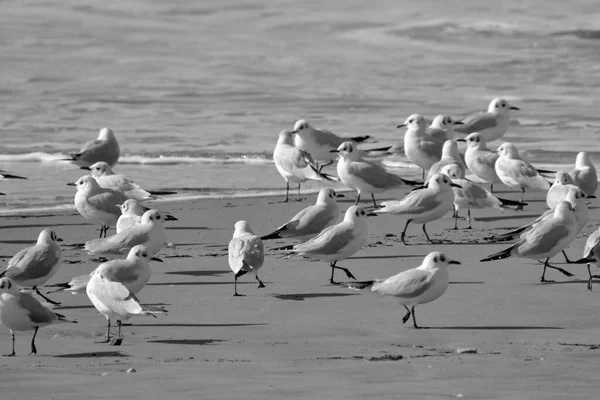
(260, 283)
(119, 339)
(455, 218)
(33, 349)
(469, 216)
(235, 293)
(589, 285)
(287, 192)
(374, 202)
(491, 188)
(404, 231)
(567, 258)
(325, 165)
(423, 176)
(520, 208)
(426, 235)
(546, 265)
(299, 185)
(107, 338)
(407, 316)
(12, 334)
(56, 303)
(414, 319)
(357, 199)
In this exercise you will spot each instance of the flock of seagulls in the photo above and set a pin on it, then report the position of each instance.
(109, 199)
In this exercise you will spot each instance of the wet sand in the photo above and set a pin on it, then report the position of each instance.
(301, 337)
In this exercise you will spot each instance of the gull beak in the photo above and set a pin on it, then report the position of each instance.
(334, 151)
(461, 140)
(169, 217)
(400, 126)
(59, 239)
(455, 185)
(294, 132)
(2, 194)
(371, 214)
(156, 259)
(454, 262)
(340, 195)
(458, 123)
(86, 168)
(71, 184)
(514, 108)
(591, 196)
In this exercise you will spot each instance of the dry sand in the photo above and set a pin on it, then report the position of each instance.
(301, 337)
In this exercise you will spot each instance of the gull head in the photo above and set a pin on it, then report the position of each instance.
(508, 150)
(413, 122)
(347, 150)
(48, 236)
(139, 252)
(576, 197)
(286, 137)
(356, 213)
(500, 106)
(86, 182)
(437, 259)
(453, 171)
(100, 168)
(450, 149)
(583, 160)
(241, 227)
(105, 134)
(8, 286)
(473, 140)
(131, 207)
(301, 126)
(326, 196)
(442, 182)
(442, 121)
(563, 178)
(151, 215)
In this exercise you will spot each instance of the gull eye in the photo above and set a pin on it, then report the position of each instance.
(445, 180)
(410, 121)
(443, 259)
(356, 213)
(157, 216)
(435, 259)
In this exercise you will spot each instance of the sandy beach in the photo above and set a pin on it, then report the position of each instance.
(304, 338)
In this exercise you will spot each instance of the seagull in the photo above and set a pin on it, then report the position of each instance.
(106, 178)
(104, 148)
(113, 300)
(338, 242)
(584, 175)
(365, 176)
(295, 165)
(134, 272)
(131, 215)
(36, 265)
(492, 124)
(442, 127)
(559, 189)
(419, 147)
(150, 232)
(515, 172)
(97, 204)
(450, 156)
(423, 205)
(591, 255)
(545, 240)
(471, 195)
(319, 142)
(421, 285)
(246, 253)
(20, 311)
(311, 220)
(480, 160)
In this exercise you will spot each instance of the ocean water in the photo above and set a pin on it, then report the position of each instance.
(197, 92)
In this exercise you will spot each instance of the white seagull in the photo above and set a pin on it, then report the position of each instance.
(584, 175)
(480, 160)
(492, 124)
(19, 311)
(420, 148)
(104, 148)
(442, 127)
(246, 253)
(131, 215)
(450, 156)
(36, 265)
(311, 220)
(421, 285)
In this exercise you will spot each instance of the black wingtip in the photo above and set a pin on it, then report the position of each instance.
(273, 235)
(288, 247)
(379, 149)
(507, 202)
(169, 217)
(360, 139)
(11, 176)
(498, 256)
(161, 192)
(420, 185)
(582, 261)
(357, 285)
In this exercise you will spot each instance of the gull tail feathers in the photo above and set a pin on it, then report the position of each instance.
(358, 285)
(499, 256)
(75, 285)
(506, 202)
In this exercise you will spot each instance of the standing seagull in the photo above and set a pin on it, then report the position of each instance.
(420, 148)
(365, 176)
(246, 253)
(584, 175)
(337, 242)
(515, 172)
(424, 205)
(545, 240)
(149, 232)
(421, 285)
(107, 179)
(492, 124)
(97, 204)
(104, 148)
(34, 266)
(311, 220)
(480, 160)
(442, 127)
(591, 255)
(319, 142)
(295, 165)
(21, 312)
(113, 300)
(450, 156)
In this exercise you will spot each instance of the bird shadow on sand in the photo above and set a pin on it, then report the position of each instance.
(40, 225)
(202, 325)
(576, 281)
(195, 283)
(304, 296)
(495, 328)
(187, 228)
(194, 342)
(212, 272)
(93, 354)
(467, 283)
(385, 257)
(507, 217)
(85, 307)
